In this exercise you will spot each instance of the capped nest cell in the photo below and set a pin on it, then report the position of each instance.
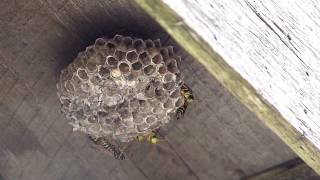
(121, 87)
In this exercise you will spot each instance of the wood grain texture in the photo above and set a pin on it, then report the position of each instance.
(295, 169)
(220, 140)
(273, 45)
(255, 61)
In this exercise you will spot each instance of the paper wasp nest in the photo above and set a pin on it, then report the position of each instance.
(121, 87)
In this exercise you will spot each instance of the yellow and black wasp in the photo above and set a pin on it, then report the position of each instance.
(153, 137)
(186, 92)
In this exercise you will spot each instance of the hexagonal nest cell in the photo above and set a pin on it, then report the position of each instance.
(121, 87)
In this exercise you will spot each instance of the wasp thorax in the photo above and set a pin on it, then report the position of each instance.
(121, 87)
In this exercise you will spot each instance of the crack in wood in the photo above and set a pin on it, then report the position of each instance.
(276, 33)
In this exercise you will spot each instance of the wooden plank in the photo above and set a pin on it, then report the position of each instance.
(219, 137)
(159, 161)
(42, 36)
(237, 31)
(295, 169)
(34, 47)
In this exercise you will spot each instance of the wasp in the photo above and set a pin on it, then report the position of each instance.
(153, 137)
(187, 94)
(106, 146)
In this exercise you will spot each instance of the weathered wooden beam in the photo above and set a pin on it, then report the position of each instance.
(295, 169)
(264, 53)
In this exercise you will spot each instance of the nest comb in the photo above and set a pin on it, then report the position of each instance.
(121, 87)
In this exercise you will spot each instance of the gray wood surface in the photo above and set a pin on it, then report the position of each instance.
(274, 47)
(217, 139)
(294, 169)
